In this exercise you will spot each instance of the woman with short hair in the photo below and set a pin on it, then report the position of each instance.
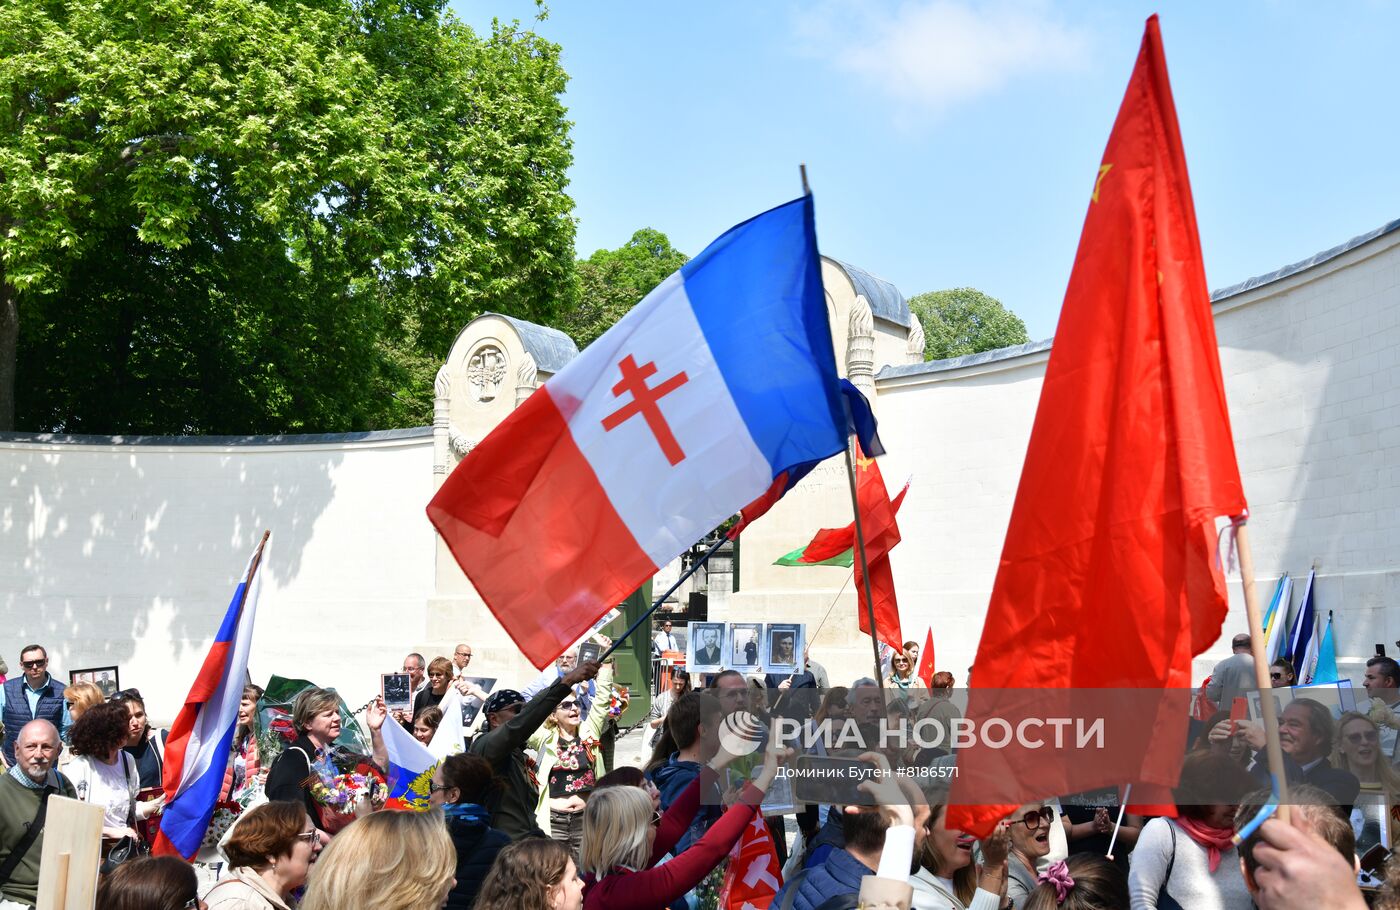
(150, 883)
(535, 874)
(439, 678)
(316, 719)
(105, 775)
(270, 852)
(1030, 840)
(461, 786)
(387, 861)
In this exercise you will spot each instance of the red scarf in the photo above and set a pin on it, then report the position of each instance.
(1215, 840)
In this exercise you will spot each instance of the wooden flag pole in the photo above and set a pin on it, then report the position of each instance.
(1273, 750)
(860, 534)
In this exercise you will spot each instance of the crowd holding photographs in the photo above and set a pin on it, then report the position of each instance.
(749, 647)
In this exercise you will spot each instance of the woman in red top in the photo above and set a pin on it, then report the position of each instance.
(621, 847)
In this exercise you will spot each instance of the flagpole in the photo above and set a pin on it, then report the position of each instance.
(860, 535)
(1273, 750)
(669, 591)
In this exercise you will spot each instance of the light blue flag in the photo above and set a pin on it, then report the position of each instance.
(1326, 671)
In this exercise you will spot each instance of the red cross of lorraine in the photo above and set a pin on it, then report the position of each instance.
(645, 402)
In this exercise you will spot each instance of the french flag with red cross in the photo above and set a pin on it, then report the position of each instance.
(708, 395)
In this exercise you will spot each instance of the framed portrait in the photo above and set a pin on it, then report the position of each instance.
(589, 650)
(705, 647)
(743, 645)
(782, 647)
(105, 678)
(471, 706)
(397, 689)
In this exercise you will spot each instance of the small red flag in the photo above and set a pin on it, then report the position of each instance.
(881, 531)
(1107, 578)
(754, 875)
(926, 659)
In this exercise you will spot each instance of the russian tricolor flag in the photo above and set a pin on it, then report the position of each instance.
(698, 402)
(197, 750)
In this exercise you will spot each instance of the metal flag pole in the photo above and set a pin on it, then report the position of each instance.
(1273, 750)
(860, 534)
(669, 591)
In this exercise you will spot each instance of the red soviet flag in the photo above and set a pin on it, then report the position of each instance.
(881, 531)
(1107, 577)
(926, 668)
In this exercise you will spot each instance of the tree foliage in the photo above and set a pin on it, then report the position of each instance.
(611, 282)
(233, 216)
(964, 321)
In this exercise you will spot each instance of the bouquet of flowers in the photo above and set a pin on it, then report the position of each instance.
(342, 795)
(225, 814)
(618, 701)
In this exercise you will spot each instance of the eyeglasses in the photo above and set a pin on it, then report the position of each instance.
(1032, 820)
(1365, 736)
(436, 788)
(656, 817)
(34, 664)
(568, 705)
(1275, 675)
(311, 837)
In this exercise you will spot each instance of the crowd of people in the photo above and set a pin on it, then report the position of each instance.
(532, 814)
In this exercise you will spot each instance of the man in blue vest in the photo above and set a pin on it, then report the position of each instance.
(34, 696)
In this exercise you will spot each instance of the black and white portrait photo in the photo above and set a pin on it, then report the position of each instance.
(706, 647)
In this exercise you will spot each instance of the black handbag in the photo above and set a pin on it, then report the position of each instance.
(128, 847)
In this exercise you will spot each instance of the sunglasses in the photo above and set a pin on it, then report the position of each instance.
(1365, 736)
(34, 664)
(433, 788)
(1275, 675)
(1033, 820)
(568, 705)
(127, 695)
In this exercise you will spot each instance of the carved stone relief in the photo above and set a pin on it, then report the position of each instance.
(486, 369)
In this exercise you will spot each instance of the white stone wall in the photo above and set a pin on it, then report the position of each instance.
(128, 555)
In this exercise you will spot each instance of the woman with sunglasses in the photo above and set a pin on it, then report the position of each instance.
(1030, 840)
(1358, 750)
(902, 676)
(1281, 675)
(270, 852)
(570, 757)
(461, 786)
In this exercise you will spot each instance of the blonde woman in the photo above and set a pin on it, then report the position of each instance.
(1358, 750)
(570, 762)
(902, 675)
(80, 697)
(316, 717)
(388, 861)
(621, 848)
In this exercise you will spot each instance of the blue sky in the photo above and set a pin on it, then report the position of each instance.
(953, 143)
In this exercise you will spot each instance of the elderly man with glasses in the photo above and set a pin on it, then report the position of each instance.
(34, 696)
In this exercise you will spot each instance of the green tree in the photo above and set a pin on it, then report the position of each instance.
(965, 321)
(259, 215)
(611, 282)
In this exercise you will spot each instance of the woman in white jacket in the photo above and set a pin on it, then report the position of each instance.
(949, 879)
(106, 776)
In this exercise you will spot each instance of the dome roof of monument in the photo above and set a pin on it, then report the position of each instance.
(886, 302)
(551, 348)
